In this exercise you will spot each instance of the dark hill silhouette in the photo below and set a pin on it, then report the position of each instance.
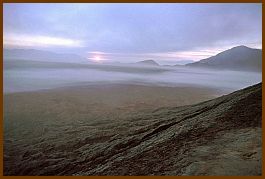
(148, 62)
(237, 58)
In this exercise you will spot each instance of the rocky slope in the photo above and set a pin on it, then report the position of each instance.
(217, 137)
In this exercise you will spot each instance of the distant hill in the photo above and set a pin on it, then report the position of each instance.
(237, 58)
(148, 62)
(41, 55)
(24, 64)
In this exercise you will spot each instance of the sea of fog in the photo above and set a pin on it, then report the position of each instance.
(31, 78)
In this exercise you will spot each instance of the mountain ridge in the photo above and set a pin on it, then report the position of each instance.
(237, 58)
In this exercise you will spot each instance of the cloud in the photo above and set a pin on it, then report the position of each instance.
(17, 40)
(168, 57)
(129, 31)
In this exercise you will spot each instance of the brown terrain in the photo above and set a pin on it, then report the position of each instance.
(133, 130)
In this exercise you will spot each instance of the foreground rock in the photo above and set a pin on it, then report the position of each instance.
(217, 137)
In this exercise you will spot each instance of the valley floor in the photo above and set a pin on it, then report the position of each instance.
(132, 130)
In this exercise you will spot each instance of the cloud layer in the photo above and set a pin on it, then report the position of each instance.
(170, 31)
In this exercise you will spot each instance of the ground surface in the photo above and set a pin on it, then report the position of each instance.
(132, 130)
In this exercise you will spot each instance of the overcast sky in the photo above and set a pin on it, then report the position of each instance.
(133, 32)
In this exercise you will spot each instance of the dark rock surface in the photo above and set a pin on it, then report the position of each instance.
(217, 137)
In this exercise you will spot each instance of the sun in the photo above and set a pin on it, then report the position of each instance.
(97, 59)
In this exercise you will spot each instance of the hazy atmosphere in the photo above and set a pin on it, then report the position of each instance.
(132, 89)
(132, 32)
(28, 78)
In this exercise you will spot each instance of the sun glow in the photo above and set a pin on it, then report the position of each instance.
(97, 59)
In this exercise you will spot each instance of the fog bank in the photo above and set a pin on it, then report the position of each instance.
(31, 77)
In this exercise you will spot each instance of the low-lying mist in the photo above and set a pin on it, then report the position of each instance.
(31, 76)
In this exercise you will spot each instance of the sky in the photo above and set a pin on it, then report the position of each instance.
(103, 32)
